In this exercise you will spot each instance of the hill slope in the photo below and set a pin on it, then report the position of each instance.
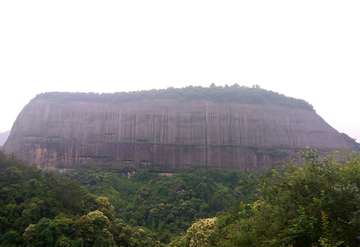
(3, 137)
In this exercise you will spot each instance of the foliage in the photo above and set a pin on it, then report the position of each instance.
(317, 204)
(234, 93)
(167, 205)
(39, 209)
(278, 153)
(198, 235)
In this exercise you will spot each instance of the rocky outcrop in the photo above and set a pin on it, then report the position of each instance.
(163, 135)
(3, 137)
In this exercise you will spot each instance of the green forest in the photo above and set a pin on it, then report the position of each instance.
(234, 93)
(95, 208)
(315, 203)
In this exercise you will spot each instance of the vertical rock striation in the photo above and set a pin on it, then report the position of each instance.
(163, 135)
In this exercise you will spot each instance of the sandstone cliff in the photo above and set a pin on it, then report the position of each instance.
(3, 137)
(165, 134)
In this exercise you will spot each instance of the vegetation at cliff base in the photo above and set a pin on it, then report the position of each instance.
(234, 93)
(167, 205)
(317, 204)
(39, 209)
(95, 208)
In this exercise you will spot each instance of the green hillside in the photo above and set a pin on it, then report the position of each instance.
(95, 208)
(316, 204)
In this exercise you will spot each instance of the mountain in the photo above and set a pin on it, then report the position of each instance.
(3, 137)
(230, 128)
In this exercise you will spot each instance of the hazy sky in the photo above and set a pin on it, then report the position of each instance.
(304, 49)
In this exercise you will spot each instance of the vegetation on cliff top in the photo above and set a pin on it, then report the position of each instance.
(234, 93)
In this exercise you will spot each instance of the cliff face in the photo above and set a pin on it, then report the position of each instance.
(3, 137)
(163, 135)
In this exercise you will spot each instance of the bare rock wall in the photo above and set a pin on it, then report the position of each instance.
(164, 135)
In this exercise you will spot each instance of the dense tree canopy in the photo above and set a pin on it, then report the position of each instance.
(317, 204)
(167, 205)
(95, 208)
(39, 209)
(234, 93)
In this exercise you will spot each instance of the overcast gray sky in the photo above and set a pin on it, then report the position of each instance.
(304, 49)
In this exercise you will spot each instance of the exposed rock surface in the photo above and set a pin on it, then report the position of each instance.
(162, 135)
(3, 137)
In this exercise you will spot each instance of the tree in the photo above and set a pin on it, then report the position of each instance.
(93, 229)
(313, 204)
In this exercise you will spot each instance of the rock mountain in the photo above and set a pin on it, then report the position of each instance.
(3, 137)
(235, 127)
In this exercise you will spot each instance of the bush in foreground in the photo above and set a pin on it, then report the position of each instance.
(316, 204)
